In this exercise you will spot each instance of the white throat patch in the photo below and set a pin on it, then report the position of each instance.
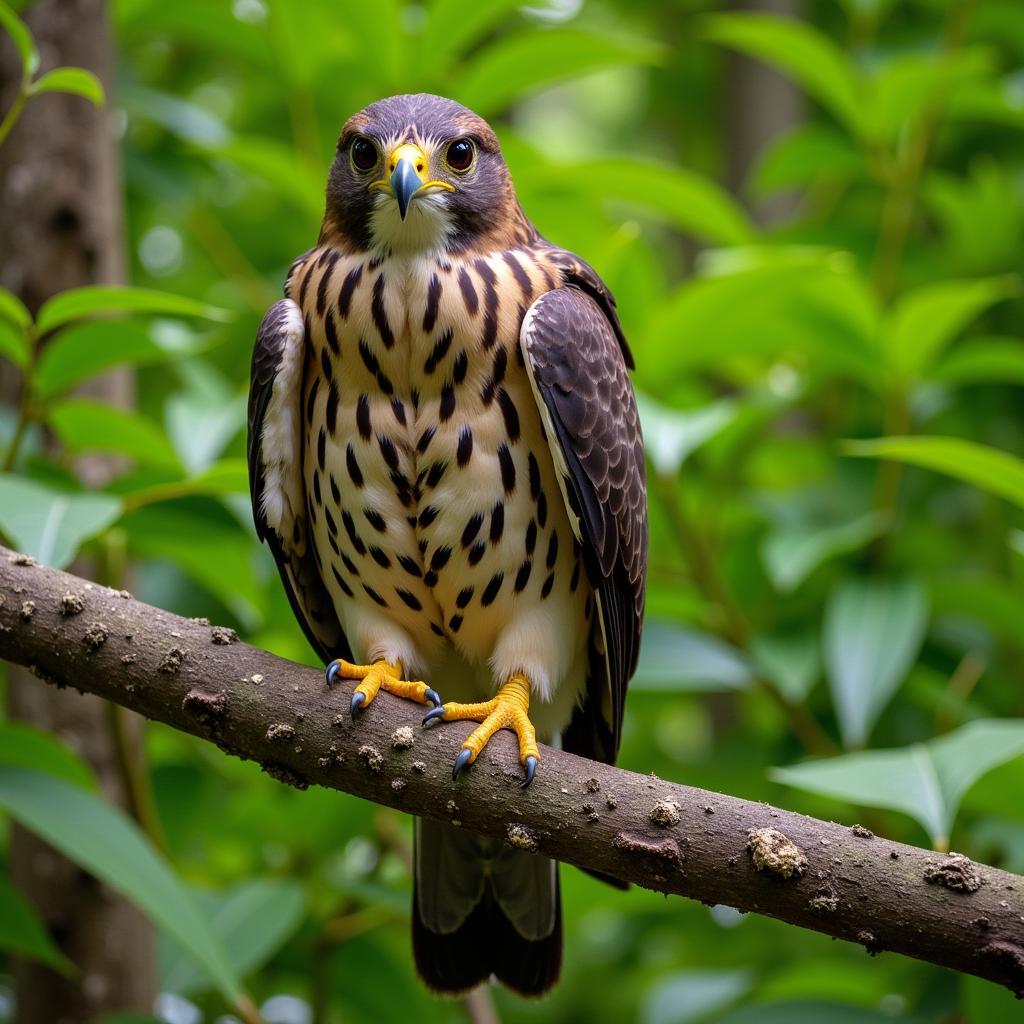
(427, 225)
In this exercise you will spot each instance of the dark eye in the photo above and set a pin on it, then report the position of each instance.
(364, 154)
(459, 156)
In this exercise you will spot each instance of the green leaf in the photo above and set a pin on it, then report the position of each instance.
(683, 997)
(74, 80)
(27, 747)
(216, 553)
(926, 781)
(14, 343)
(670, 436)
(453, 25)
(200, 426)
(790, 662)
(690, 201)
(252, 922)
(982, 361)
(85, 349)
(815, 307)
(106, 300)
(276, 163)
(793, 552)
(11, 307)
(809, 155)
(86, 425)
(910, 84)
(797, 48)
(109, 845)
(22, 39)
(926, 320)
(988, 468)
(872, 632)
(23, 933)
(526, 61)
(51, 525)
(676, 659)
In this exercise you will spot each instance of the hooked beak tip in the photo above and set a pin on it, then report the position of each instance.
(405, 183)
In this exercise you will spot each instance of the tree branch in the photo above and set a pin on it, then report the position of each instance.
(842, 881)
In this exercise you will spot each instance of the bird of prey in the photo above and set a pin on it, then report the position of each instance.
(445, 459)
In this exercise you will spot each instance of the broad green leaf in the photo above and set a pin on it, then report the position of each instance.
(452, 25)
(85, 349)
(683, 997)
(872, 632)
(790, 662)
(529, 60)
(27, 747)
(14, 343)
(251, 921)
(982, 361)
(992, 470)
(226, 477)
(677, 659)
(926, 781)
(925, 321)
(24, 934)
(799, 49)
(670, 435)
(1016, 541)
(793, 552)
(74, 80)
(200, 426)
(109, 845)
(691, 202)
(809, 155)
(821, 311)
(108, 300)
(22, 39)
(51, 525)
(910, 84)
(11, 307)
(86, 425)
(276, 164)
(216, 553)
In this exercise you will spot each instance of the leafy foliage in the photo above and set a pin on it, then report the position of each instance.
(829, 364)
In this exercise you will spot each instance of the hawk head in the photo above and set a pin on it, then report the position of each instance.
(420, 173)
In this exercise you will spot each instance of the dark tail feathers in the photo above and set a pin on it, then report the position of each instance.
(484, 889)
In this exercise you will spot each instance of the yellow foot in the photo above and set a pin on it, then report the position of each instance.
(509, 709)
(381, 675)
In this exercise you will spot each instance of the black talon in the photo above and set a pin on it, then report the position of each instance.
(531, 770)
(434, 713)
(433, 697)
(460, 762)
(332, 672)
(358, 700)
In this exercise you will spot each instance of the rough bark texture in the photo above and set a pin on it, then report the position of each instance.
(835, 879)
(61, 227)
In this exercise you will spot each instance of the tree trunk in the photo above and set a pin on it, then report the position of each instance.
(761, 105)
(61, 227)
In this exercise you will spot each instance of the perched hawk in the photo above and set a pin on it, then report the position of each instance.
(445, 459)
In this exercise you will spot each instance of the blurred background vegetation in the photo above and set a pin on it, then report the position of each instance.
(812, 216)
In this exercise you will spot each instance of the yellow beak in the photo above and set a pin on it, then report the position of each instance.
(407, 176)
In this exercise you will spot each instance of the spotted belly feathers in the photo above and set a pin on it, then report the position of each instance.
(435, 515)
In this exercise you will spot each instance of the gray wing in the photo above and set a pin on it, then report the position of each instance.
(275, 474)
(576, 357)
